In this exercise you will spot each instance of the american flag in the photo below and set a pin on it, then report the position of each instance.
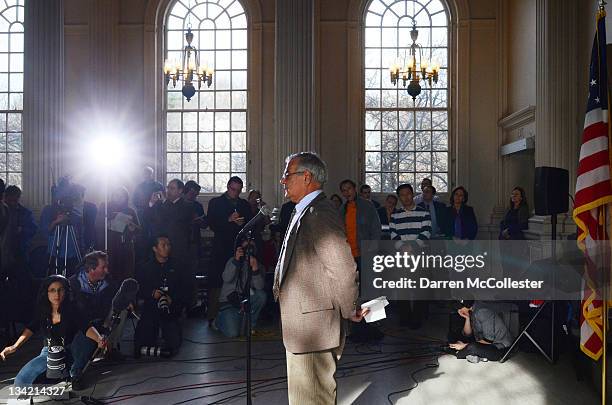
(593, 192)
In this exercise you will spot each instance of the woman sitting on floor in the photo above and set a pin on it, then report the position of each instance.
(61, 325)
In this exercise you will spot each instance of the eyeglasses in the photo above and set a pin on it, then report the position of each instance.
(286, 175)
(235, 189)
(56, 290)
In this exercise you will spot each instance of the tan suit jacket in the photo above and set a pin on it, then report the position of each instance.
(318, 286)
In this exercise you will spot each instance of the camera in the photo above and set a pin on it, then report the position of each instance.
(162, 303)
(56, 358)
(67, 199)
(235, 299)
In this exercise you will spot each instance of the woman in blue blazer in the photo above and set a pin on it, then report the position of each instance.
(460, 219)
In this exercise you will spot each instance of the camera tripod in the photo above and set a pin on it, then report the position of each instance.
(65, 233)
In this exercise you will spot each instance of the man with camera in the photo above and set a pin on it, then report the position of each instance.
(173, 215)
(140, 199)
(162, 287)
(93, 294)
(66, 223)
(235, 288)
(227, 214)
(143, 192)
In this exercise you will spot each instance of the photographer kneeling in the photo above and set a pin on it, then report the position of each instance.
(93, 295)
(233, 291)
(60, 321)
(486, 335)
(165, 292)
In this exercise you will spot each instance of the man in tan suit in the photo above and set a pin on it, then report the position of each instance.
(315, 282)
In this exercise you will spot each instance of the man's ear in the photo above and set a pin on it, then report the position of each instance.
(307, 177)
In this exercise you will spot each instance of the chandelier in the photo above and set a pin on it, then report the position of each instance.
(415, 70)
(189, 69)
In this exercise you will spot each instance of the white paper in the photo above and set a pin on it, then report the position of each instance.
(377, 309)
(119, 223)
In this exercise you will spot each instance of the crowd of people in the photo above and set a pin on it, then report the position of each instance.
(407, 215)
(155, 237)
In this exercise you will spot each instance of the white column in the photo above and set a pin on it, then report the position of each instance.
(295, 94)
(104, 58)
(43, 98)
(557, 138)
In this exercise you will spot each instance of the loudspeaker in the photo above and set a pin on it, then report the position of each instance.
(551, 190)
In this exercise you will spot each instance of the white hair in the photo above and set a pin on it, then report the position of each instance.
(311, 162)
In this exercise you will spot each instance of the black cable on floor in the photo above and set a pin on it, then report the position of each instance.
(380, 362)
(416, 383)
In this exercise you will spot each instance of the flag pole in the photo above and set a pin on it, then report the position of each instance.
(606, 278)
(604, 315)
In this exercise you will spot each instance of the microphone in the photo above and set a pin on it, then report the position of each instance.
(264, 211)
(122, 299)
(126, 294)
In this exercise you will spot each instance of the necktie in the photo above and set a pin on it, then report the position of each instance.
(281, 259)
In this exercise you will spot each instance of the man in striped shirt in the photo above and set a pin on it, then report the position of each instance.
(411, 222)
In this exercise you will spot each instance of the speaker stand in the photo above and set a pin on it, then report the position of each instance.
(551, 357)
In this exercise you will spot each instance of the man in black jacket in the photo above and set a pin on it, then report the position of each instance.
(140, 198)
(142, 194)
(227, 214)
(165, 293)
(173, 217)
(200, 222)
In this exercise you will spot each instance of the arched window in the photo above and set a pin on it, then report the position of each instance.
(11, 90)
(206, 137)
(405, 140)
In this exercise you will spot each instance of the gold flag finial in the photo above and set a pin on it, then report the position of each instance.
(602, 9)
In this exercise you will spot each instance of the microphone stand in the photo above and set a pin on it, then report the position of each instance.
(247, 309)
(246, 304)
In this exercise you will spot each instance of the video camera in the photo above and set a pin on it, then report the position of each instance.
(66, 205)
(66, 195)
